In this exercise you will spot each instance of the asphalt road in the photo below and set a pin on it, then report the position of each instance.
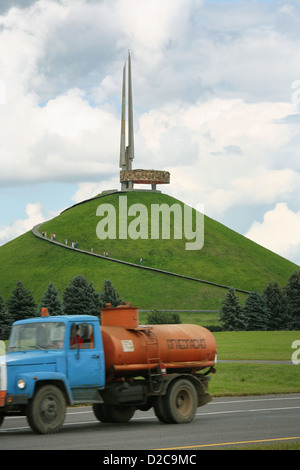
(223, 423)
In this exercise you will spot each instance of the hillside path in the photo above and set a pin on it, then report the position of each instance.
(35, 231)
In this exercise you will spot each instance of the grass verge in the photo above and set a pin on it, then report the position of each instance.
(254, 379)
(256, 345)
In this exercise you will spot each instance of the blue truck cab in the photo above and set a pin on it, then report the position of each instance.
(51, 362)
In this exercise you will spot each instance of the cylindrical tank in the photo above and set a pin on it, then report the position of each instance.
(132, 347)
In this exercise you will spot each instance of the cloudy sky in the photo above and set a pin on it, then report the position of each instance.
(216, 90)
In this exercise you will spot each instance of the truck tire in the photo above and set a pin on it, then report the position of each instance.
(180, 402)
(160, 409)
(46, 410)
(100, 412)
(2, 416)
(113, 413)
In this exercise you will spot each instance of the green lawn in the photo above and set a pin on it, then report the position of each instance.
(256, 345)
(255, 379)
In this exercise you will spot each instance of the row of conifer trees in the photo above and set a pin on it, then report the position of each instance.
(276, 308)
(79, 297)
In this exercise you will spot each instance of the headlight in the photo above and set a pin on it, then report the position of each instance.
(21, 384)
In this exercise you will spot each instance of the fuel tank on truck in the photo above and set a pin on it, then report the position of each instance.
(130, 347)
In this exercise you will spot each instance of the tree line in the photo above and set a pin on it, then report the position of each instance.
(276, 308)
(79, 297)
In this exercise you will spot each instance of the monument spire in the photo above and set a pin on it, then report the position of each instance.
(127, 153)
(128, 176)
(130, 118)
(123, 122)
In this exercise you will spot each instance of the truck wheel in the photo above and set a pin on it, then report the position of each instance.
(100, 412)
(46, 410)
(181, 401)
(160, 409)
(1, 418)
(113, 413)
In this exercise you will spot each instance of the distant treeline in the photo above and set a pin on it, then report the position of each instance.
(79, 297)
(275, 308)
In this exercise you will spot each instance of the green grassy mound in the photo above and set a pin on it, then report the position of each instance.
(226, 258)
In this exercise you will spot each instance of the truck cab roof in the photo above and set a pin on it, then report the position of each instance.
(57, 318)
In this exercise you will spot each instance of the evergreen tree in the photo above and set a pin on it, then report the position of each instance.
(109, 295)
(256, 312)
(2, 315)
(4, 321)
(293, 293)
(276, 303)
(5, 324)
(1, 304)
(232, 316)
(21, 303)
(52, 301)
(80, 298)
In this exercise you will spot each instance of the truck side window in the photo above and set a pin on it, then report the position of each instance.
(82, 336)
(86, 332)
(75, 338)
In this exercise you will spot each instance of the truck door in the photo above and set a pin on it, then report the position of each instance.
(85, 357)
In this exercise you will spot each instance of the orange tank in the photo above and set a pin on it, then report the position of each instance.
(130, 347)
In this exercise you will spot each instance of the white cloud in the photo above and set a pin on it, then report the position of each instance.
(88, 190)
(215, 97)
(267, 186)
(50, 46)
(152, 25)
(224, 151)
(60, 141)
(34, 213)
(279, 231)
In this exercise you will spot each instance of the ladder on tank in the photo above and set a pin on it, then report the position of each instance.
(153, 357)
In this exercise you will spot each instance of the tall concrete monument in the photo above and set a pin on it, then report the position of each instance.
(128, 176)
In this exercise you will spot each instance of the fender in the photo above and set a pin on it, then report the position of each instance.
(33, 380)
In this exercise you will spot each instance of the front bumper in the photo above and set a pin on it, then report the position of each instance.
(12, 401)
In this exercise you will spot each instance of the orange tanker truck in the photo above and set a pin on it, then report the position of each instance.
(119, 367)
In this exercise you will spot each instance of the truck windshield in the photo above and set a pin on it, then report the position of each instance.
(31, 336)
